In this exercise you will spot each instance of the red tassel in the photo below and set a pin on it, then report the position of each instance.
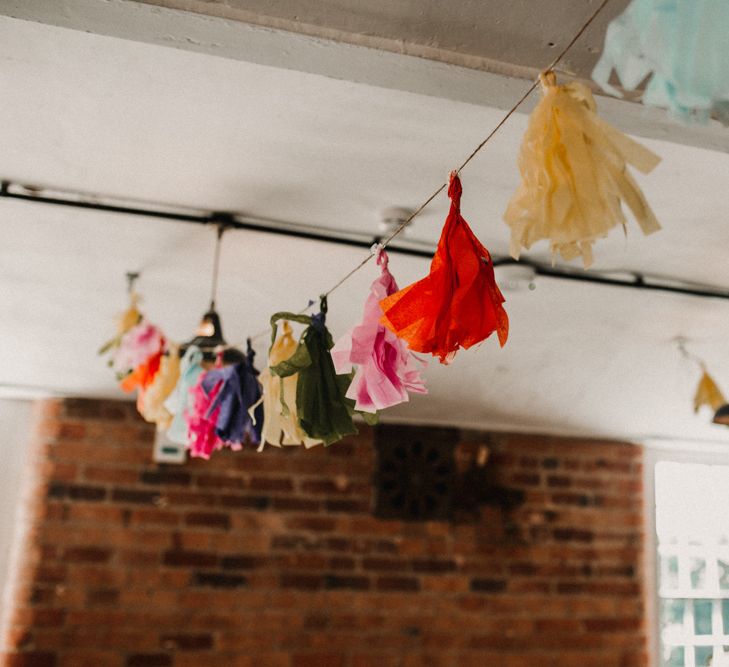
(458, 304)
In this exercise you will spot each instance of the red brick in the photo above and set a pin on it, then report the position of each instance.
(186, 642)
(208, 520)
(409, 584)
(87, 555)
(111, 475)
(317, 660)
(271, 484)
(30, 659)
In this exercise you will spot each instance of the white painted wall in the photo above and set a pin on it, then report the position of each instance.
(15, 422)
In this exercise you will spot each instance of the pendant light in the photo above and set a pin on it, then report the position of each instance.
(209, 336)
(721, 416)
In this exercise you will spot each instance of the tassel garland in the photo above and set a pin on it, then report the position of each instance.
(574, 183)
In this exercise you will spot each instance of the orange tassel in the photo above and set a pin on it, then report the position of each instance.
(143, 375)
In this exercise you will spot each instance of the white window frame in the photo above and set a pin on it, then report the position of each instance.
(708, 453)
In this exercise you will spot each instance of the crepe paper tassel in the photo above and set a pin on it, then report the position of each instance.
(144, 374)
(136, 347)
(238, 391)
(324, 412)
(574, 176)
(708, 393)
(202, 439)
(151, 402)
(180, 400)
(280, 420)
(386, 369)
(128, 319)
(680, 48)
(458, 304)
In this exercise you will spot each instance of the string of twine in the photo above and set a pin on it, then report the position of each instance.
(682, 344)
(385, 242)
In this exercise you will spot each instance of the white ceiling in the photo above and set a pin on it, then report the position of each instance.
(120, 118)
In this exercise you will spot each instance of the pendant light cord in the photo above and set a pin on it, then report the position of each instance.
(216, 266)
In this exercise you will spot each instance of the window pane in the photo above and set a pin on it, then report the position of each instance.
(723, 574)
(725, 615)
(698, 573)
(672, 621)
(669, 571)
(672, 656)
(672, 612)
(702, 617)
(703, 655)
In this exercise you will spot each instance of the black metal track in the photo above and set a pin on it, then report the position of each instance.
(229, 220)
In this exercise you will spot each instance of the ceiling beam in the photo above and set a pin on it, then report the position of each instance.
(236, 40)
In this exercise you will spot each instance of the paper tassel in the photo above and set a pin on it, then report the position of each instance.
(151, 402)
(458, 304)
(137, 347)
(680, 47)
(324, 412)
(386, 370)
(201, 419)
(143, 345)
(219, 416)
(708, 393)
(128, 319)
(280, 419)
(239, 391)
(574, 176)
(180, 400)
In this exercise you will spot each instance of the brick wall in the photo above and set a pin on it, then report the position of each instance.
(275, 559)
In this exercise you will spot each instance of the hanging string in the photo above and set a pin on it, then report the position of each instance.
(681, 342)
(385, 242)
(475, 151)
(216, 266)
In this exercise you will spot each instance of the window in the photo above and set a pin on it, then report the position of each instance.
(692, 530)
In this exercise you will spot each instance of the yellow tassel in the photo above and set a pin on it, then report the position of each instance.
(281, 425)
(707, 393)
(131, 316)
(574, 176)
(151, 402)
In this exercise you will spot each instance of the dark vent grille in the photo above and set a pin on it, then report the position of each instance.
(415, 474)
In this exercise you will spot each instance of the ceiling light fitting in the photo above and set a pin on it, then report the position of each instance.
(209, 337)
(392, 217)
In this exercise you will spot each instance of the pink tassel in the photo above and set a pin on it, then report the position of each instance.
(137, 345)
(202, 439)
(386, 369)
